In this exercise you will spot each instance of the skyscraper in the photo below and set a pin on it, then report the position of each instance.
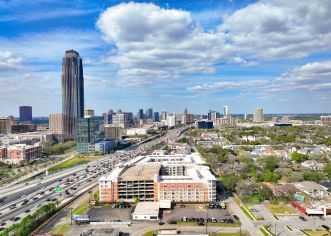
(72, 92)
(226, 111)
(87, 129)
(258, 115)
(55, 123)
(25, 114)
(140, 115)
(149, 113)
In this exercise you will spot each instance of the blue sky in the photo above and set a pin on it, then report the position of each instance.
(169, 54)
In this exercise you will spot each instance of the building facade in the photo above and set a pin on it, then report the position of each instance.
(113, 132)
(55, 123)
(258, 116)
(157, 177)
(25, 114)
(87, 133)
(72, 92)
(5, 126)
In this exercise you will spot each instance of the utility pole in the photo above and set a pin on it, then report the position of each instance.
(275, 229)
(70, 216)
(207, 223)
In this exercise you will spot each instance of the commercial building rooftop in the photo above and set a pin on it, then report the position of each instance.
(140, 172)
(147, 208)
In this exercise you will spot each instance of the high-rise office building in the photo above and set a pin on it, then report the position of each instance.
(5, 126)
(149, 113)
(156, 116)
(88, 112)
(258, 115)
(72, 92)
(226, 111)
(140, 115)
(55, 122)
(164, 115)
(113, 132)
(87, 133)
(25, 114)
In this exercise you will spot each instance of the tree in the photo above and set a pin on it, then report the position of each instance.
(271, 163)
(327, 170)
(265, 193)
(298, 157)
(245, 187)
(315, 176)
(230, 181)
(269, 176)
(296, 177)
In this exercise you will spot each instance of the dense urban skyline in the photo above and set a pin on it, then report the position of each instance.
(201, 55)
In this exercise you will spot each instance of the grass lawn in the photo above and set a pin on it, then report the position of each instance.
(80, 210)
(264, 231)
(70, 163)
(150, 233)
(231, 234)
(280, 209)
(246, 212)
(316, 232)
(209, 224)
(60, 229)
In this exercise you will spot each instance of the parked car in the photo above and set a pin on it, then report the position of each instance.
(161, 223)
(302, 218)
(326, 227)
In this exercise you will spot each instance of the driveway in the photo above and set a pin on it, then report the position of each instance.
(247, 224)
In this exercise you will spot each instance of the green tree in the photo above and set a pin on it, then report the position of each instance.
(230, 181)
(271, 163)
(269, 176)
(265, 193)
(298, 157)
(327, 170)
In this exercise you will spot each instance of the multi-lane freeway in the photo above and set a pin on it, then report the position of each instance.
(24, 198)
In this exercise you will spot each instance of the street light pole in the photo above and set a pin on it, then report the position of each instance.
(207, 223)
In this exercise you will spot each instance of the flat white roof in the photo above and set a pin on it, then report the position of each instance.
(147, 208)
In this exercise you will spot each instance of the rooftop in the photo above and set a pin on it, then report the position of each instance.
(140, 172)
(147, 208)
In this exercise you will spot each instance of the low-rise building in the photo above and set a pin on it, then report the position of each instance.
(179, 178)
(22, 152)
(312, 189)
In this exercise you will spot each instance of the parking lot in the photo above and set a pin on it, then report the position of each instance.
(107, 214)
(197, 211)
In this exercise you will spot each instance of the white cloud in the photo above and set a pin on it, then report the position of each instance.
(9, 61)
(280, 29)
(314, 77)
(240, 85)
(155, 43)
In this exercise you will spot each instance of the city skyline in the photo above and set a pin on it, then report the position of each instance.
(164, 65)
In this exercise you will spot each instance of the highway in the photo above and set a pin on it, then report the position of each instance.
(22, 199)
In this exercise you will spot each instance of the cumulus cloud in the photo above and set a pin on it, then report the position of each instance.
(9, 61)
(155, 43)
(280, 29)
(159, 44)
(315, 77)
(240, 85)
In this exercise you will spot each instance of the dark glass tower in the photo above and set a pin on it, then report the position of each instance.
(25, 114)
(72, 92)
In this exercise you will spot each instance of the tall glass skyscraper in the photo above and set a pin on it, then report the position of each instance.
(72, 92)
(87, 131)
